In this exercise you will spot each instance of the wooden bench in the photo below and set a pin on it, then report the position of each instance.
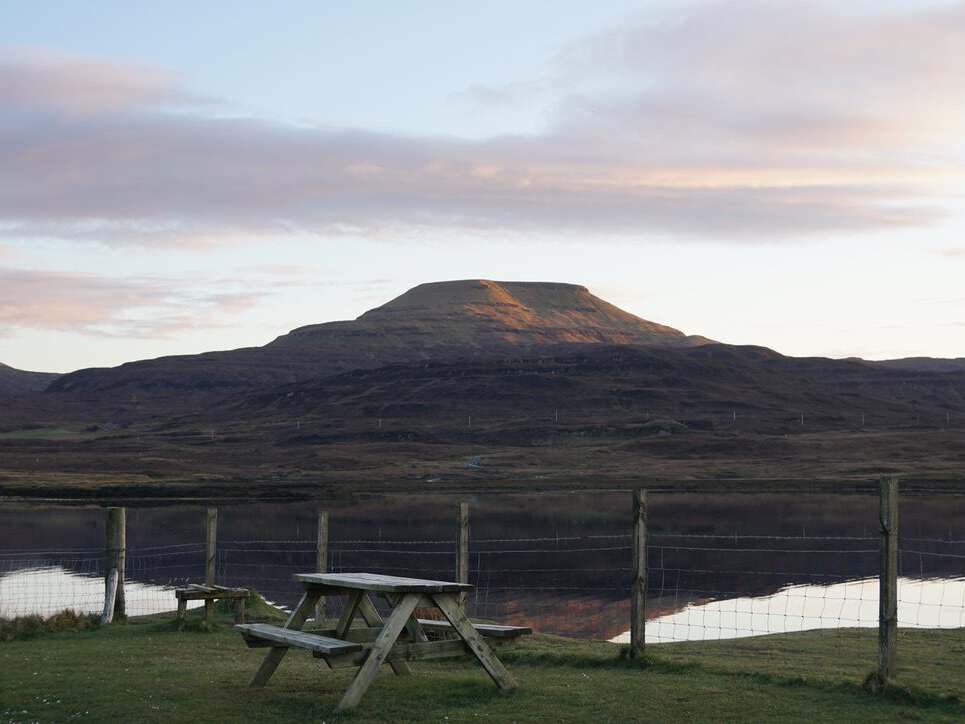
(210, 594)
(395, 640)
(489, 630)
(261, 634)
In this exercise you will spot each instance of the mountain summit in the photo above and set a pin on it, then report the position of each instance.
(441, 320)
(479, 313)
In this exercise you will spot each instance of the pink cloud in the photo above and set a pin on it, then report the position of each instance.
(106, 306)
(86, 85)
(735, 121)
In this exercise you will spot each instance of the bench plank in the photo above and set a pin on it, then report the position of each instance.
(380, 583)
(490, 630)
(193, 595)
(418, 651)
(295, 622)
(298, 639)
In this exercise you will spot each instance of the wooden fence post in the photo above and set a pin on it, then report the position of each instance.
(321, 560)
(462, 553)
(211, 557)
(888, 581)
(638, 596)
(115, 563)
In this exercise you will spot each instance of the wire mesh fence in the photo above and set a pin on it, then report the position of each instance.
(701, 585)
(45, 582)
(931, 587)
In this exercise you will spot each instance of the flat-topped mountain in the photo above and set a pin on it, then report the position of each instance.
(479, 314)
(17, 382)
(442, 320)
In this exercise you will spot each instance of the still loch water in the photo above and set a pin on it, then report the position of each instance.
(720, 566)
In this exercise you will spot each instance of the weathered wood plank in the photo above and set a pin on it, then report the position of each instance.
(449, 605)
(490, 630)
(116, 557)
(211, 557)
(348, 613)
(110, 596)
(380, 583)
(373, 618)
(321, 590)
(462, 552)
(638, 591)
(321, 558)
(298, 639)
(415, 630)
(295, 622)
(356, 635)
(412, 626)
(418, 651)
(888, 581)
(196, 595)
(240, 606)
(379, 652)
(211, 536)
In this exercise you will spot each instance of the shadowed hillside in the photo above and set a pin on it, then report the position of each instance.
(18, 382)
(618, 392)
(545, 381)
(925, 364)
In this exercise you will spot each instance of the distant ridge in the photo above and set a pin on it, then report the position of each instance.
(440, 320)
(18, 382)
(924, 364)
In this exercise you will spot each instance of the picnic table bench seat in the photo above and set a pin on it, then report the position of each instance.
(210, 594)
(490, 630)
(279, 636)
(395, 640)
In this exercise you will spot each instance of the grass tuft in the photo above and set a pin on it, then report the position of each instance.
(22, 628)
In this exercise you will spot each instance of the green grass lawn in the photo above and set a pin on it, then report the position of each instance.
(48, 433)
(146, 671)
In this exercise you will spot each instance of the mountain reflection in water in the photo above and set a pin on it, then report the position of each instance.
(560, 562)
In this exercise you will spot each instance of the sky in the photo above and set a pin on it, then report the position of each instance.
(178, 177)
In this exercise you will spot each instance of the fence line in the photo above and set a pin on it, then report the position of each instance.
(687, 585)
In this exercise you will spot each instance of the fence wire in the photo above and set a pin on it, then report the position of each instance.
(45, 582)
(700, 586)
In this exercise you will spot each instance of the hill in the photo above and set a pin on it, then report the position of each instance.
(618, 392)
(18, 382)
(442, 320)
(924, 364)
(545, 381)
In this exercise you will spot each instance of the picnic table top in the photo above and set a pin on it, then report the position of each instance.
(380, 583)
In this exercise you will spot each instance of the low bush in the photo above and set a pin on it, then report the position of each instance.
(28, 627)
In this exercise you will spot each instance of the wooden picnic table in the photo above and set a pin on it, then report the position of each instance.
(395, 640)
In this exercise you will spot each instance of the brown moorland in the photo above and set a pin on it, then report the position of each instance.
(483, 384)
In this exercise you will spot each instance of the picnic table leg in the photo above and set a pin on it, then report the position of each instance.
(239, 610)
(277, 653)
(412, 626)
(380, 650)
(182, 611)
(348, 614)
(373, 618)
(449, 605)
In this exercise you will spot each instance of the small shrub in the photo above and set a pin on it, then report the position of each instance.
(28, 627)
